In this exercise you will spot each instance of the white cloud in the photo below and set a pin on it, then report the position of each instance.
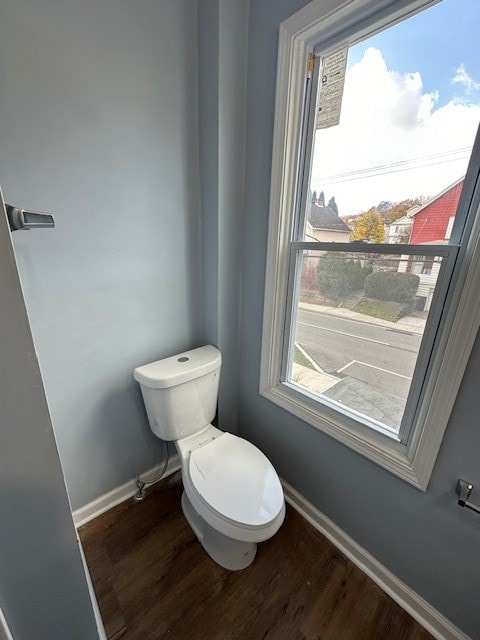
(411, 107)
(387, 118)
(463, 78)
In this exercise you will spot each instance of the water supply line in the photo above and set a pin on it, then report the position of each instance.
(143, 482)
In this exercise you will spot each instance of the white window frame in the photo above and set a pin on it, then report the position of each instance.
(325, 21)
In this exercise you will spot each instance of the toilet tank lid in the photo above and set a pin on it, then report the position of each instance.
(180, 368)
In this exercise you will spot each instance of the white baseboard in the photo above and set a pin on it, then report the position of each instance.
(417, 607)
(116, 496)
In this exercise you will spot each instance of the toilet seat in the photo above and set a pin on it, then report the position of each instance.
(235, 488)
(237, 481)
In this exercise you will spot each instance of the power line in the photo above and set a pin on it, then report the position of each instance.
(402, 162)
(395, 167)
(386, 172)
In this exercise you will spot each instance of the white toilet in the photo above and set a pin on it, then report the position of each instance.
(233, 497)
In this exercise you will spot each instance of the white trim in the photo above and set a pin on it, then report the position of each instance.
(109, 500)
(413, 462)
(102, 635)
(431, 619)
(368, 443)
(4, 630)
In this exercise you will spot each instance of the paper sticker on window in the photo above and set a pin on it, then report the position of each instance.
(331, 91)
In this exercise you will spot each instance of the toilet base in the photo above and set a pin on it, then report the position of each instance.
(228, 553)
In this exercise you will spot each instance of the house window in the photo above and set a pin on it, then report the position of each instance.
(416, 265)
(360, 323)
(421, 265)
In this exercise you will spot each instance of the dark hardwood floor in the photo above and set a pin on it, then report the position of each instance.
(153, 581)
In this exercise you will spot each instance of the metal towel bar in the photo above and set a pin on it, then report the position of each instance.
(464, 491)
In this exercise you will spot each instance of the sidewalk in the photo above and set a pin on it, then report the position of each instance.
(346, 389)
(314, 380)
(408, 324)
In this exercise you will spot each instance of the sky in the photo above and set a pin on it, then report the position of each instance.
(410, 111)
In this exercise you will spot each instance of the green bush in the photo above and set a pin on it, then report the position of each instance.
(407, 308)
(391, 285)
(338, 277)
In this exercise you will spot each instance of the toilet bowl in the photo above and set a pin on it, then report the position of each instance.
(232, 496)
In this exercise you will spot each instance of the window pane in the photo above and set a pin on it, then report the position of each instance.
(359, 324)
(390, 166)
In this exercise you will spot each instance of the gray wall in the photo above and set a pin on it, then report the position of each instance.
(424, 538)
(98, 109)
(98, 124)
(43, 588)
(222, 40)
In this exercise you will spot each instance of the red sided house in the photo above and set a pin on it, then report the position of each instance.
(431, 224)
(433, 221)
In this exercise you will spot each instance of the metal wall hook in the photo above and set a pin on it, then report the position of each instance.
(19, 219)
(464, 491)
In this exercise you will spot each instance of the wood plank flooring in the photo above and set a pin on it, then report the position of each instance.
(153, 581)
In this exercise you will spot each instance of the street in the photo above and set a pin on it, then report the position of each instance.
(381, 359)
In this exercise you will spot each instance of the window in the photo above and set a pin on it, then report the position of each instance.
(420, 265)
(367, 329)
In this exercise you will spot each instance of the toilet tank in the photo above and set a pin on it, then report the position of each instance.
(180, 392)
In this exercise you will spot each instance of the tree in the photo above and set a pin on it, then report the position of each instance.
(333, 205)
(308, 281)
(368, 226)
(391, 211)
(321, 199)
(314, 197)
(383, 207)
(399, 209)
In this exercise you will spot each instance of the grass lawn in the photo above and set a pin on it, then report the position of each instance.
(299, 358)
(384, 309)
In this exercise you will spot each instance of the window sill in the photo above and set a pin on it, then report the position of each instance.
(382, 449)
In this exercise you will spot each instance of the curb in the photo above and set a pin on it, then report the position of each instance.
(347, 314)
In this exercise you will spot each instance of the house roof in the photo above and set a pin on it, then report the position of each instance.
(415, 210)
(325, 218)
(404, 220)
